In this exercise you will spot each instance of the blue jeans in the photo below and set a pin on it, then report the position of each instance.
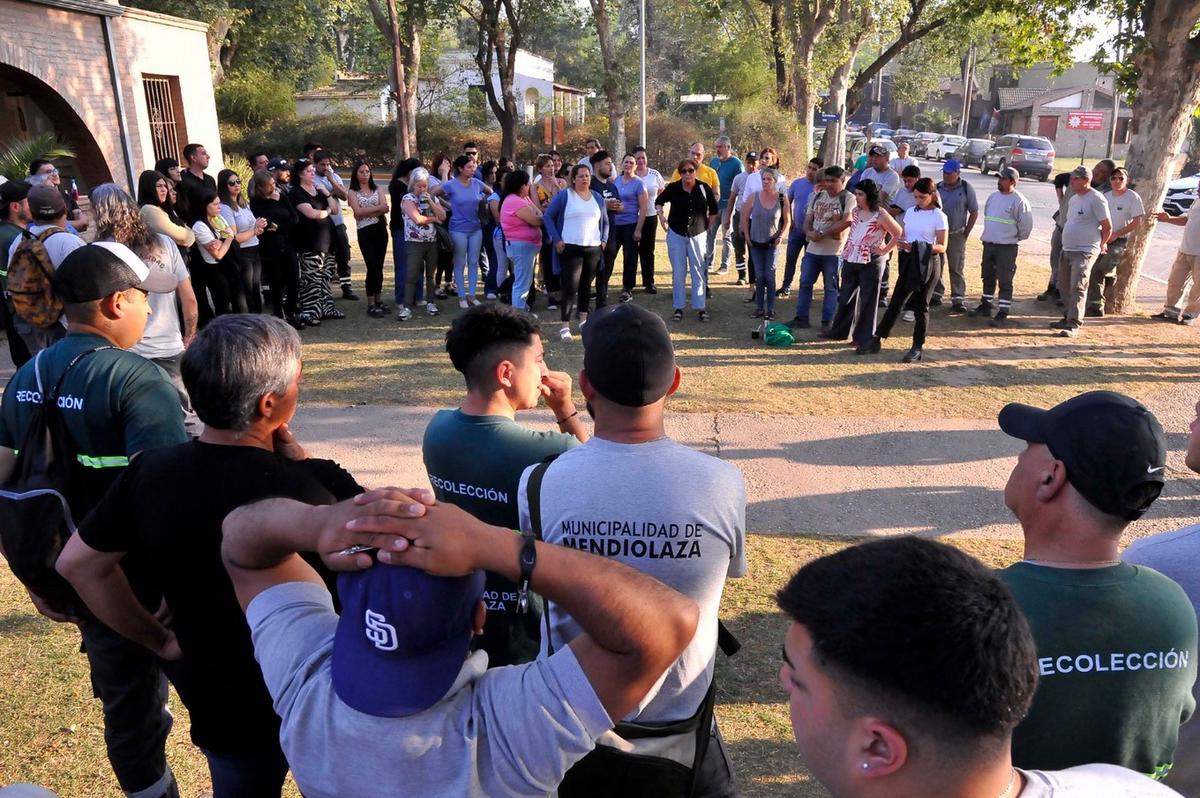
(827, 267)
(764, 269)
(687, 256)
(796, 242)
(521, 255)
(466, 261)
(246, 775)
(400, 268)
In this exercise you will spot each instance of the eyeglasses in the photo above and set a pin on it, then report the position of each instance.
(1116, 178)
(51, 171)
(234, 183)
(687, 171)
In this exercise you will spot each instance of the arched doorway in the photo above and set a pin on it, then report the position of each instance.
(28, 106)
(532, 98)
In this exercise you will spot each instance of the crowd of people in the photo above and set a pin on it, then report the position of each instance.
(545, 620)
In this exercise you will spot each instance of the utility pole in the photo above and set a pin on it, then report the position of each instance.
(1116, 105)
(642, 47)
(968, 88)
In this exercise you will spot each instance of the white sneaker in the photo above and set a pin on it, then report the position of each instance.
(490, 296)
(908, 315)
(403, 314)
(462, 303)
(431, 308)
(564, 334)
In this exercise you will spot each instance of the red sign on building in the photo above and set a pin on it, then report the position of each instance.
(1085, 120)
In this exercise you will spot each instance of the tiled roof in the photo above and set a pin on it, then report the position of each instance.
(1018, 98)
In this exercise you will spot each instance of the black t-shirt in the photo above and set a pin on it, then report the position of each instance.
(167, 508)
(689, 210)
(189, 188)
(396, 191)
(607, 190)
(312, 235)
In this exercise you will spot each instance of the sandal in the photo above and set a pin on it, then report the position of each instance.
(677, 315)
(703, 316)
(333, 314)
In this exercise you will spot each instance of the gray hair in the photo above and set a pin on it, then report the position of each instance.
(772, 171)
(420, 173)
(235, 361)
(724, 140)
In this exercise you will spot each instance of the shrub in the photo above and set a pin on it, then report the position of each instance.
(756, 122)
(253, 98)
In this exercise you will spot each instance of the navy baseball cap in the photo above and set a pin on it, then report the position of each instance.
(1113, 447)
(951, 166)
(402, 637)
(627, 355)
(878, 150)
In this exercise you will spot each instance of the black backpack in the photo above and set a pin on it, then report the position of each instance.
(37, 499)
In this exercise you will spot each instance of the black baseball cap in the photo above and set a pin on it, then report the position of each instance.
(13, 191)
(275, 164)
(877, 150)
(627, 355)
(752, 156)
(1113, 447)
(104, 268)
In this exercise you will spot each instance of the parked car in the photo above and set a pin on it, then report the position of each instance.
(904, 134)
(1181, 194)
(873, 128)
(920, 143)
(1029, 155)
(971, 151)
(943, 146)
(859, 146)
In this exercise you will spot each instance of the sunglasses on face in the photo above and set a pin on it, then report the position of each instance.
(687, 171)
(234, 183)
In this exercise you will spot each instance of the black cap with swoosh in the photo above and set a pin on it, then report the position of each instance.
(1113, 448)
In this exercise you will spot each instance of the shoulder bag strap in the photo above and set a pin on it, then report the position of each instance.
(533, 495)
(53, 395)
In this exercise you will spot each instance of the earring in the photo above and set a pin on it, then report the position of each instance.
(866, 765)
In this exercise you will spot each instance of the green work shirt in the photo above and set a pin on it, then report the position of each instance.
(8, 234)
(1116, 652)
(475, 462)
(114, 404)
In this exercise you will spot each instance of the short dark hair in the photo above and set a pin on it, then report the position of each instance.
(38, 163)
(483, 336)
(923, 631)
(870, 190)
(577, 167)
(836, 172)
(469, 144)
(1062, 180)
(1107, 162)
(165, 165)
(461, 161)
(320, 155)
(404, 167)
(637, 149)
(190, 150)
(591, 141)
(310, 147)
(599, 156)
(912, 170)
(254, 156)
(817, 162)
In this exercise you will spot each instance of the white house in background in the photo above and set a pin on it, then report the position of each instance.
(533, 85)
(366, 98)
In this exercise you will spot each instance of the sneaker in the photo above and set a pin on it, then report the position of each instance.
(677, 315)
(552, 306)
(956, 308)
(870, 348)
(1061, 324)
(1047, 295)
(723, 270)
(935, 302)
(650, 289)
(452, 290)
(1069, 332)
(626, 296)
(473, 301)
(703, 315)
(911, 356)
(564, 334)
(757, 314)
(798, 323)
(741, 281)
(440, 293)
(1000, 319)
(310, 319)
(431, 309)
(348, 293)
(297, 323)
(403, 314)
(983, 309)
(826, 326)
(908, 315)
(490, 296)
(375, 311)
(462, 303)
(1187, 319)
(770, 315)
(1094, 313)
(783, 292)
(1165, 316)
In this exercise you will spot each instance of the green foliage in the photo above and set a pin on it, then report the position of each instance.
(755, 122)
(252, 98)
(934, 120)
(345, 137)
(18, 153)
(740, 68)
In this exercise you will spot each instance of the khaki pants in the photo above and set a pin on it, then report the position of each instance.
(1073, 271)
(1185, 269)
(956, 263)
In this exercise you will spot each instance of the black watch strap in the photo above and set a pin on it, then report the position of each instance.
(527, 561)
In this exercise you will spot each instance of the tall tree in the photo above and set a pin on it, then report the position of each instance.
(812, 18)
(499, 32)
(613, 72)
(855, 25)
(1166, 67)
(402, 27)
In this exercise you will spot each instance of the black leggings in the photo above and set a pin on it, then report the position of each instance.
(250, 272)
(646, 253)
(373, 242)
(341, 253)
(281, 268)
(580, 266)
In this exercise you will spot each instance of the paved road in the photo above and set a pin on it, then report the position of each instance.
(1041, 196)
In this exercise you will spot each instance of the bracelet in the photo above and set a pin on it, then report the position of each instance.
(528, 559)
(566, 419)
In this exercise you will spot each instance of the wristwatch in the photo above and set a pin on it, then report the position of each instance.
(528, 559)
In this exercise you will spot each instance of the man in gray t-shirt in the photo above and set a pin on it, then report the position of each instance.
(633, 495)
(1126, 212)
(1177, 556)
(1085, 235)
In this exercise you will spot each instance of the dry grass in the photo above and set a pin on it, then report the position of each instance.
(971, 370)
(51, 733)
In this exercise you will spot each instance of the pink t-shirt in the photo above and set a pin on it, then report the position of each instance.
(515, 228)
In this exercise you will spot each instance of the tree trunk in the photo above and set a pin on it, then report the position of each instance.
(413, 30)
(217, 31)
(910, 31)
(817, 14)
(497, 45)
(783, 80)
(833, 145)
(387, 20)
(1167, 93)
(612, 73)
